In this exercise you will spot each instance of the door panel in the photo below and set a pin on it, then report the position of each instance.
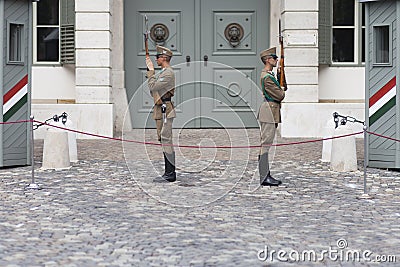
(170, 26)
(220, 92)
(232, 33)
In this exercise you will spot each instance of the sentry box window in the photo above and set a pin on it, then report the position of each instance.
(382, 45)
(15, 43)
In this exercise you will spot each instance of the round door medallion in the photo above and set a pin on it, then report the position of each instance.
(234, 89)
(159, 33)
(234, 33)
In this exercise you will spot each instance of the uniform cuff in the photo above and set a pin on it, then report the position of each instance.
(150, 73)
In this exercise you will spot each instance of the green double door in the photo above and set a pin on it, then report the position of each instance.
(215, 44)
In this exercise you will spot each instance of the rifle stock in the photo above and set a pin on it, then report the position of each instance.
(146, 46)
(155, 95)
(281, 69)
(282, 78)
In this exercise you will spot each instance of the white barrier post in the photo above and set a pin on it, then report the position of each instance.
(56, 150)
(344, 156)
(73, 150)
(327, 144)
(64, 122)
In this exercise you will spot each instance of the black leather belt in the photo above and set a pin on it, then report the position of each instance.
(273, 101)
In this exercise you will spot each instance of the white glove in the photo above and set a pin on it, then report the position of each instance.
(149, 63)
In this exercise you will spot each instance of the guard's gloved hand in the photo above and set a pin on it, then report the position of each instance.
(149, 63)
(284, 87)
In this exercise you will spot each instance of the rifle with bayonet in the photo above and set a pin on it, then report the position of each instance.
(155, 95)
(281, 69)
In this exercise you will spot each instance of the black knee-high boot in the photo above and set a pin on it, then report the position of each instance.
(263, 168)
(169, 174)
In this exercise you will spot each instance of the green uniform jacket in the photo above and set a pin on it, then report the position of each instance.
(164, 84)
(270, 111)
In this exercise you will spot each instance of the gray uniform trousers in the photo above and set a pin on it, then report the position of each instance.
(164, 132)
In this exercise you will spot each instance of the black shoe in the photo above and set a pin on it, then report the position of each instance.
(270, 181)
(170, 174)
(166, 178)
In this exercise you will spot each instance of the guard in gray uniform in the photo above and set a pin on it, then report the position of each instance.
(162, 88)
(269, 114)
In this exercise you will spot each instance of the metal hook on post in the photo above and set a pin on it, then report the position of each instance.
(343, 121)
(64, 116)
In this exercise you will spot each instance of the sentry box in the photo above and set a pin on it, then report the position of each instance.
(382, 72)
(15, 76)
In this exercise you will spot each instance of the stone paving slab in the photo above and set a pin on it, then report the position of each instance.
(106, 211)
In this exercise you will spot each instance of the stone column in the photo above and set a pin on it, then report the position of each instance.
(122, 118)
(94, 108)
(300, 112)
(93, 51)
(300, 31)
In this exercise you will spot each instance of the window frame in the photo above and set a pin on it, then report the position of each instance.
(358, 29)
(34, 36)
(390, 42)
(22, 48)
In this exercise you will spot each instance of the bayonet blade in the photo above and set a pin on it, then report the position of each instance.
(146, 24)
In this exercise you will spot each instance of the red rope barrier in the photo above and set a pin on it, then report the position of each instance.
(14, 122)
(318, 140)
(383, 136)
(192, 146)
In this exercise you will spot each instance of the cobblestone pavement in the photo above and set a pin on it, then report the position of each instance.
(106, 211)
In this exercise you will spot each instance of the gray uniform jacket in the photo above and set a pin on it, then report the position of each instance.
(164, 84)
(270, 110)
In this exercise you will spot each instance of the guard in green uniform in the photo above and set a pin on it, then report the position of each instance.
(162, 88)
(269, 114)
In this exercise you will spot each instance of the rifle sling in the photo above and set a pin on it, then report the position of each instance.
(266, 95)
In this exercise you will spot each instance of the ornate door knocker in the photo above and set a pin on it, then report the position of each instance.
(159, 33)
(234, 33)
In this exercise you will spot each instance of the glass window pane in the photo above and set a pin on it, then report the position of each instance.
(343, 12)
(15, 45)
(343, 45)
(381, 44)
(48, 44)
(48, 12)
(363, 14)
(363, 46)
